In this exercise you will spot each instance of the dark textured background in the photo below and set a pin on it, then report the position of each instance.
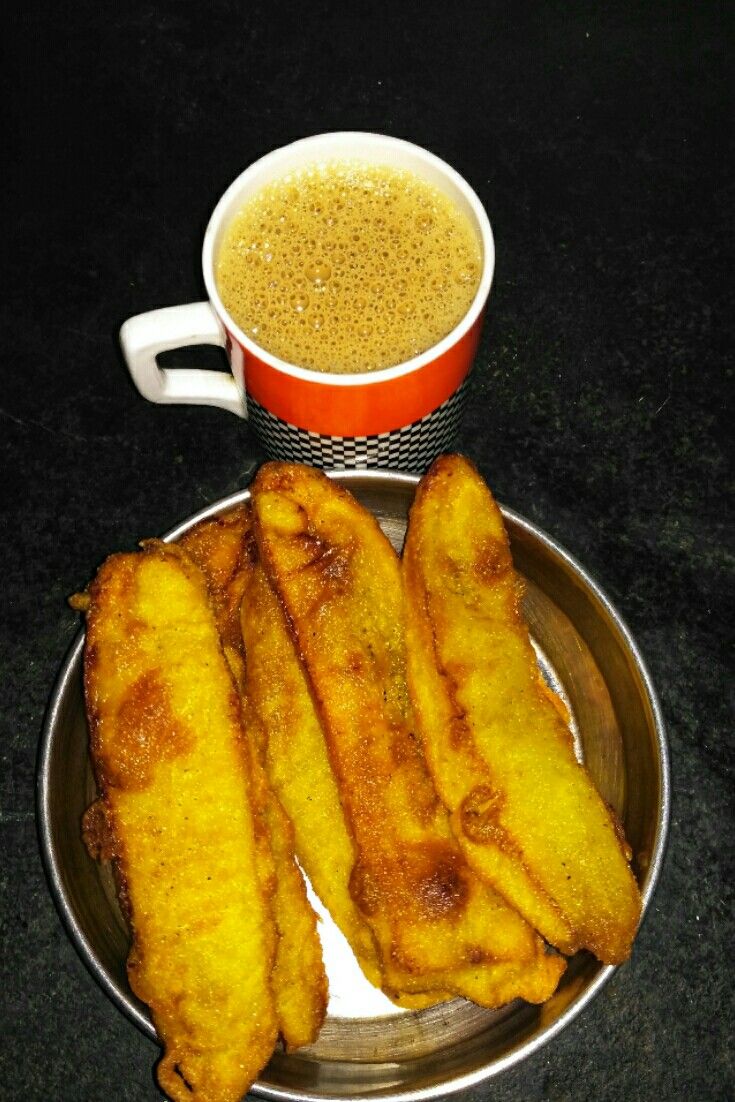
(596, 135)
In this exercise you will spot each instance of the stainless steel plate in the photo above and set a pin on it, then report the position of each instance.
(367, 1049)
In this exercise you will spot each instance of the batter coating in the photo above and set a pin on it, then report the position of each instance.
(528, 817)
(218, 547)
(166, 741)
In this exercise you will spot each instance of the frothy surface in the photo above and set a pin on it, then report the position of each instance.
(348, 267)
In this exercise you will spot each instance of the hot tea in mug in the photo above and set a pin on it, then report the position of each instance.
(347, 277)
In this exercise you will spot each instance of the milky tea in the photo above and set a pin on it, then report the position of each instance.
(347, 266)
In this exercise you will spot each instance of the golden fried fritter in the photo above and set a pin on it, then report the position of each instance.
(299, 981)
(282, 720)
(166, 742)
(527, 815)
(338, 579)
(297, 763)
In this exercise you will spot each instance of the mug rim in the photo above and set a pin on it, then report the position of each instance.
(363, 378)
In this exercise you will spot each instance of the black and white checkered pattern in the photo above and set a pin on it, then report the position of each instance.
(411, 448)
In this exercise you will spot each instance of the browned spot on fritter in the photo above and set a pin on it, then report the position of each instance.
(480, 817)
(330, 561)
(250, 544)
(492, 560)
(364, 889)
(438, 876)
(146, 733)
(403, 746)
(355, 662)
(407, 756)
(459, 732)
(121, 887)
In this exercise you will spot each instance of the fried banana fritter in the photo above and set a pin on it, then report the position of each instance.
(282, 719)
(299, 981)
(298, 766)
(166, 740)
(527, 815)
(437, 926)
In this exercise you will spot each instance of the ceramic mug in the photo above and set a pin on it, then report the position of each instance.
(400, 417)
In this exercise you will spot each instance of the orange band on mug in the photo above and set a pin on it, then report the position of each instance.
(362, 409)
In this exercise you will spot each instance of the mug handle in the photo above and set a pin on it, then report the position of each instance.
(145, 336)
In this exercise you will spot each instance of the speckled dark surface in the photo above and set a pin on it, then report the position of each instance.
(597, 139)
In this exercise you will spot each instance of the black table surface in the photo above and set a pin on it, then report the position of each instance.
(596, 137)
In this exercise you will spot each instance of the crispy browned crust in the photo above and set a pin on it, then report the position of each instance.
(219, 548)
(175, 816)
(338, 580)
(526, 814)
